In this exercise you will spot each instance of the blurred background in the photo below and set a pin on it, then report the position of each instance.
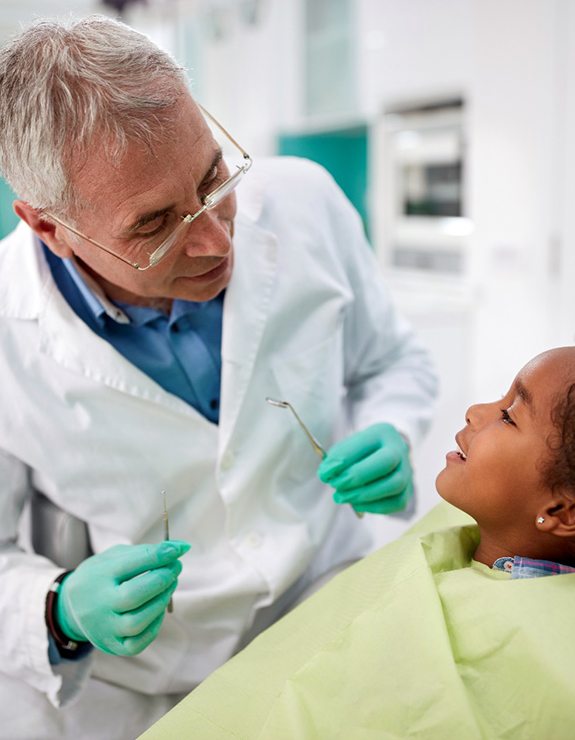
(450, 124)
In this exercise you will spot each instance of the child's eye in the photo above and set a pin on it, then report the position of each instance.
(506, 418)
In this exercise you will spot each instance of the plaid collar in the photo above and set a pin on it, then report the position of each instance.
(529, 568)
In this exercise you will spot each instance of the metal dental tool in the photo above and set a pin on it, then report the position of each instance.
(317, 448)
(167, 537)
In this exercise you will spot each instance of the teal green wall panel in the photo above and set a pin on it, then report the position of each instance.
(343, 152)
(8, 219)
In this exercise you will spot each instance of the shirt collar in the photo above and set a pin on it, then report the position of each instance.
(124, 313)
(93, 294)
(520, 567)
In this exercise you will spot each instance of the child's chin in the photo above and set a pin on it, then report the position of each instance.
(443, 488)
(440, 485)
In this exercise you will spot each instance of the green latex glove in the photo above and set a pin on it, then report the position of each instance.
(117, 599)
(370, 470)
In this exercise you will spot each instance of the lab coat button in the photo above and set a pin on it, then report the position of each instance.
(228, 460)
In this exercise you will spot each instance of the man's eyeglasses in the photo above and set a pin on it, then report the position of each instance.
(154, 250)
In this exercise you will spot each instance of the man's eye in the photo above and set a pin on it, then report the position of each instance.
(153, 227)
(506, 418)
(210, 181)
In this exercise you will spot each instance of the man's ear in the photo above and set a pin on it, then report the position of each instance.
(557, 516)
(46, 230)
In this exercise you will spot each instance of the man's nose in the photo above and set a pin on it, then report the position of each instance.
(209, 236)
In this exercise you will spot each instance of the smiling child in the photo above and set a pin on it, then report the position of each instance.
(514, 472)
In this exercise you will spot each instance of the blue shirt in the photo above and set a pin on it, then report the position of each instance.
(180, 351)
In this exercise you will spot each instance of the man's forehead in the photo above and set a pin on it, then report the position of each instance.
(102, 176)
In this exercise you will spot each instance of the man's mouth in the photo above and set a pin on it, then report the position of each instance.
(212, 273)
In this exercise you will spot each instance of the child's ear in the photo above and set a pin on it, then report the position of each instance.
(557, 516)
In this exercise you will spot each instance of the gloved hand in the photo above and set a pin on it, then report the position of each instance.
(370, 470)
(117, 599)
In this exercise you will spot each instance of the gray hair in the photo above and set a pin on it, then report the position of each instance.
(61, 84)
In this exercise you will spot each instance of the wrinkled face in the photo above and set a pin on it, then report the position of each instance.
(142, 199)
(496, 474)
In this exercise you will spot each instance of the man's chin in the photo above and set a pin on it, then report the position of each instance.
(204, 287)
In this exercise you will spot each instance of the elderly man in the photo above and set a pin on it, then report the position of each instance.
(144, 319)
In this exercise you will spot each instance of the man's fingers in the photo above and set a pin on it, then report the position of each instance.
(380, 464)
(127, 561)
(135, 645)
(378, 490)
(133, 623)
(387, 505)
(136, 592)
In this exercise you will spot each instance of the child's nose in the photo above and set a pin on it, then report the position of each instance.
(477, 413)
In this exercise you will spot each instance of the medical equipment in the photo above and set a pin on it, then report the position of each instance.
(167, 537)
(317, 448)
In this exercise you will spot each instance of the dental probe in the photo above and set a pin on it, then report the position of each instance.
(318, 449)
(167, 537)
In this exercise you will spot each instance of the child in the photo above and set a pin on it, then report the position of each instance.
(514, 472)
(433, 636)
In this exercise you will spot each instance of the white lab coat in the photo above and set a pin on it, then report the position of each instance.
(306, 319)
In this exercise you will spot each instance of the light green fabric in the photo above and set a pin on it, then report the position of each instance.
(414, 641)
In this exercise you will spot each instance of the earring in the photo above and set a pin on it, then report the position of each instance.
(540, 519)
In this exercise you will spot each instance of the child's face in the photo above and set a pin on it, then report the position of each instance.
(504, 443)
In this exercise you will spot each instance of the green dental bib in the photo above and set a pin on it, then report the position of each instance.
(415, 641)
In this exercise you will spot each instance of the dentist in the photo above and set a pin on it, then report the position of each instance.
(147, 308)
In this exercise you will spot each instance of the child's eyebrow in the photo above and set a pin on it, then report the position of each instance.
(524, 395)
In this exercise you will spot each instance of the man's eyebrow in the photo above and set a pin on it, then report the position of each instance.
(524, 394)
(146, 218)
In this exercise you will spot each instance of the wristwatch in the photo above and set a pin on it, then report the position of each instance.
(66, 647)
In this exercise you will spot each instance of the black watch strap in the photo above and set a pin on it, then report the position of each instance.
(66, 647)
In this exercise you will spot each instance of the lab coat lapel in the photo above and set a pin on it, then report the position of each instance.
(65, 338)
(246, 310)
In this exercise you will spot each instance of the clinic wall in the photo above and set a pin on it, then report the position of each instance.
(250, 77)
(412, 50)
(565, 212)
(15, 14)
(515, 184)
(504, 58)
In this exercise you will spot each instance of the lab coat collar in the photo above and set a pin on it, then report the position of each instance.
(250, 194)
(23, 276)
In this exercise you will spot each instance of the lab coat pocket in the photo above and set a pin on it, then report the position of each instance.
(312, 382)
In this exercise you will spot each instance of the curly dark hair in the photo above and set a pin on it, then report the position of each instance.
(559, 469)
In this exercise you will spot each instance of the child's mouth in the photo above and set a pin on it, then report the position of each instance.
(459, 450)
